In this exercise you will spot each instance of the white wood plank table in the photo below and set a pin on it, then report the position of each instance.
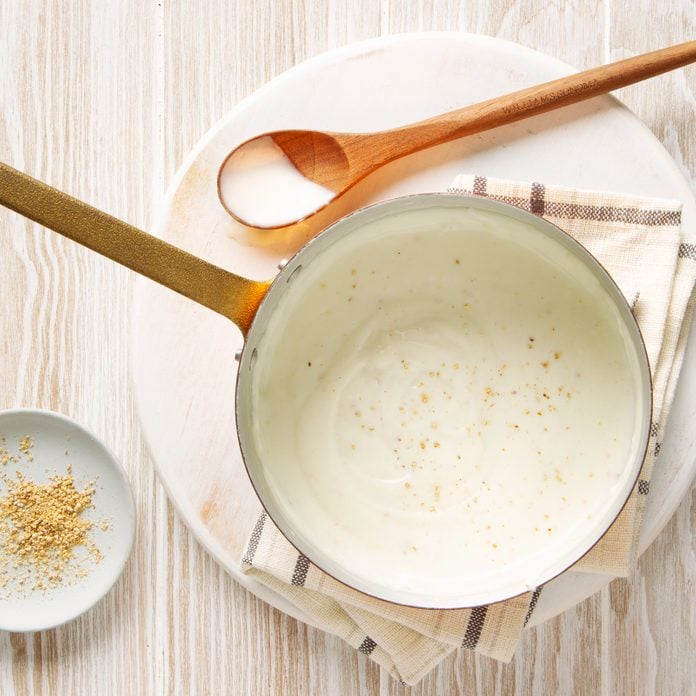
(104, 99)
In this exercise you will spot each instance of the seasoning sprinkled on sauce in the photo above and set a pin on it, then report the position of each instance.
(464, 380)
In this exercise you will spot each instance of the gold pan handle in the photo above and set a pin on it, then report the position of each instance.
(228, 294)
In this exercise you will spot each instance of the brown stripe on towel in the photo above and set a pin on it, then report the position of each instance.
(254, 540)
(367, 646)
(532, 604)
(536, 199)
(474, 627)
(607, 213)
(602, 213)
(301, 568)
(687, 251)
(479, 187)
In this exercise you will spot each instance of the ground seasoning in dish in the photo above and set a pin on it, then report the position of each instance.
(5, 455)
(45, 538)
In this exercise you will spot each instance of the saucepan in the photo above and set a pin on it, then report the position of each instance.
(442, 400)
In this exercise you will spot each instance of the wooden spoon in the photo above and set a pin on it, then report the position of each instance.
(293, 174)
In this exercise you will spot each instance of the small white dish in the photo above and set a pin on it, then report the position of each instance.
(58, 442)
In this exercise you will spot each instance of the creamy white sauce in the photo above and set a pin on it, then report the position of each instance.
(261, 186)
(443, 400)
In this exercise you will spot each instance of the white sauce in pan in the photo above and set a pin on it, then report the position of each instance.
(435, 402)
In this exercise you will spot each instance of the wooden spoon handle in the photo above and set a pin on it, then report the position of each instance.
(232, 296)
(538, 99)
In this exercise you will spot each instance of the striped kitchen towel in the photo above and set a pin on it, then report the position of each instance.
(640, 242)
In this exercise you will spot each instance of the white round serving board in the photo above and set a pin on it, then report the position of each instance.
(182, 354)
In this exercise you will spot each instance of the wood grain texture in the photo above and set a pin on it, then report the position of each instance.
(104, 100)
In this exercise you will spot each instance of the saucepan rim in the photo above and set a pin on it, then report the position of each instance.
(396, 205)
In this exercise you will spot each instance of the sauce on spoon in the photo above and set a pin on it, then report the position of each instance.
(261, 187)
